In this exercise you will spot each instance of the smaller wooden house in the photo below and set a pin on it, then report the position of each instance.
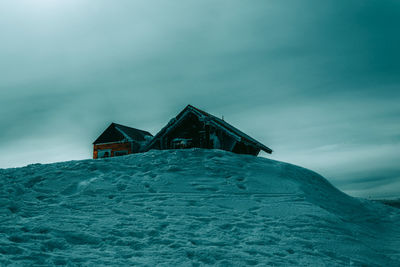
(118, 140)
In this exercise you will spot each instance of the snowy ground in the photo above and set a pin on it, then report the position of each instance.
(193, 207)
(390, 202)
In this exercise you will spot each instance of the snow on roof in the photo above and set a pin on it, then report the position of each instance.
(133, 133)
(229, 127)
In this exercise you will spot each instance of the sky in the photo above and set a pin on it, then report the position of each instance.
(316, 81)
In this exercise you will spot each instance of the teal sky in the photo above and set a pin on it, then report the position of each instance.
(317, 81)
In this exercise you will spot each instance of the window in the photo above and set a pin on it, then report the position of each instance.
(103, 153)
(178, 143)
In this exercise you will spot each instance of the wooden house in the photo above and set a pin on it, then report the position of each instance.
(193, 127)
(118, 140)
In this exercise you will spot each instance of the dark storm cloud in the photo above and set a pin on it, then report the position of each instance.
(318, 81)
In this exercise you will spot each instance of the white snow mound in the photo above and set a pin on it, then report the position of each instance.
(188, 207)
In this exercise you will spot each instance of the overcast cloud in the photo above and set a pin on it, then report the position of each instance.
(317, 81)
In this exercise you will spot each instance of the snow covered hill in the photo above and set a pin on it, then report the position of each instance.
(200, 207)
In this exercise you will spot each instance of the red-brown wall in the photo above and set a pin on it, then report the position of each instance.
(113, 146)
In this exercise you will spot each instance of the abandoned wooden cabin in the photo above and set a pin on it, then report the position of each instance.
(191, 128)
(119, 140)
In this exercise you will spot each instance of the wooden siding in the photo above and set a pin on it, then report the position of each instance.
(113, 146)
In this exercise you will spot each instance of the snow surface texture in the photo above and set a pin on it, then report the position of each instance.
(188, 207)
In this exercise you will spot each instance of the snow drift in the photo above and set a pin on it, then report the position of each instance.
(201, 207)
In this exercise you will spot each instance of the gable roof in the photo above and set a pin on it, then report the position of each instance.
(118, 132)
(236, 133)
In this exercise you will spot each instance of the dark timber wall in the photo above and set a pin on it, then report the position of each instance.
(202, 135)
